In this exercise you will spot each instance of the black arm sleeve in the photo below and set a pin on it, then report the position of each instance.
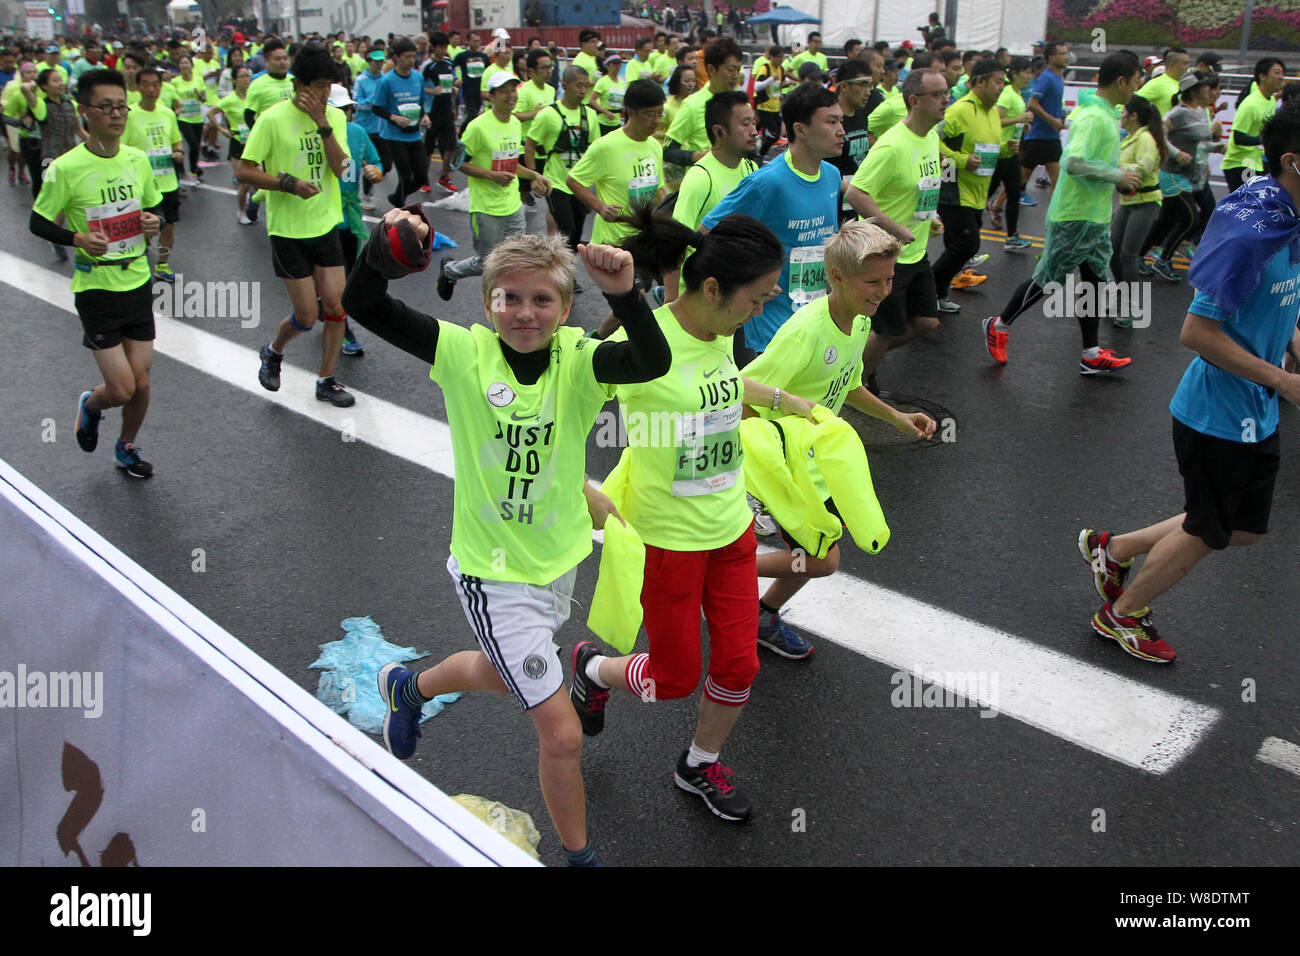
(50, 231)
(367, 302)
(645, 355)
(1244, 139)
(380, 111)
(675, 154)
(250, 118)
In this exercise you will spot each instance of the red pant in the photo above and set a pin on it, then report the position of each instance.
(724, 582)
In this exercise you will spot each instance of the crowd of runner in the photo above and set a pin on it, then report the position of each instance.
(762, 239)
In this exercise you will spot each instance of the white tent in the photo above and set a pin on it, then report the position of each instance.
(981, 24)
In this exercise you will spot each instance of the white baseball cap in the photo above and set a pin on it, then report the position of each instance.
(501, 78)
(339, 96)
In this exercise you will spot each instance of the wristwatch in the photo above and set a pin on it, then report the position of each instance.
(325, 130)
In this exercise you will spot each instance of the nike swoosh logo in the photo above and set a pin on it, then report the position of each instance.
(113, 180)
(713, 373)
(516, 417)
(392, 698)
(123, 206)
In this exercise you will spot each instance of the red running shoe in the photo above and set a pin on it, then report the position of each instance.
(1108, 575)
(995, 341)
(1106, 361)
(1135, 634)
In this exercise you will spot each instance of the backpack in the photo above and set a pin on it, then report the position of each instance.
(670, 202)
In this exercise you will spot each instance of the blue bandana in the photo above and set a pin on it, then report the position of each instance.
(1247, 229)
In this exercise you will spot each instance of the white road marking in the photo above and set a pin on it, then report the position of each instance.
(1125, 720)
(1277, 752)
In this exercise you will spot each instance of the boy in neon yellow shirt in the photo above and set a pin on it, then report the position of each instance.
(152, 128)
(521, 397)
(817, 355)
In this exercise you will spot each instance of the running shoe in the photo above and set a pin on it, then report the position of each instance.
(269, 374)
(12, 180)
(1144, 266)
(1135, 634)
(1043, 181)
(1027, 200)
(967, 279)
(1165, 270)
(446, 183)
(250, 209)
(995, 216)
(589, 698)
(334, 393)
(1016, 243)
(426, 188)
(401, 720)
(129, 460)
(244, 220)
(1108, 575)
(1122, 322)
(780, 638)
(163, 272)
(87, 429)
(713, 783)
(1106, 361)
(947, 305)
(445, 286)
(350, 344)
(976, 260)
(995, 341)
(764, 524)
(22, 179)
(1190, 252)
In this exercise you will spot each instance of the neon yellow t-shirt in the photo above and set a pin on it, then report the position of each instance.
(106, 195)
(588, 63)
(685, 488)
(546, 131)
(520, 452)
(530, 97)
(452, 53)
(636, 69)
(902, 174)
(886, 116)
(688, 125)
(191, 96)
(1249, 119)
(704, 185)
(609, 94)
(265, 91)
(156, 133)
(492, 144)
(810, 357)
(663, 63)
(489, 71)
(233, 107)
(285, 140)
(622, 171)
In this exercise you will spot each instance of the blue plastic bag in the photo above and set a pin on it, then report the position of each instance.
(350, 684)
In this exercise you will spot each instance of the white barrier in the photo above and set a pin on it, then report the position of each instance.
(133, 729)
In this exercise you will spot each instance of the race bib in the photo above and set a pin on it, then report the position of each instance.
(927, 200)
(445, 81)
(708, 452)
(409, 110)
(243, 132)
(807, 273)
(120, 222)
(191, 108)
(616, 99)
(988, 154)
(505, 160)
(160, 160)
(474, 69)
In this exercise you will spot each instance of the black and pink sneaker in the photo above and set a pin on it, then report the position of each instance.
(712, 782)
(588, 697)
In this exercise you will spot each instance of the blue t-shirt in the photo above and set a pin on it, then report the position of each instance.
(363, 92)
(1050, 90)
(6, 77)
(803, 214)
(1228, 406)
(401, 95)
(362, 151)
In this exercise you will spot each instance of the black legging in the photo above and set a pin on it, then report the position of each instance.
(1234, 177)
(961, 240)
(1177, 220)
(570, 215)
(1007, 172)
(192, 133)
(1205, 201)
(412, 164)
(30, 147)
(1028, 293)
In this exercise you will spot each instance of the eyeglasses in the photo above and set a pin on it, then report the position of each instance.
(111, 109)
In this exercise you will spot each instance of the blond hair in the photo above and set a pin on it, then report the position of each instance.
(547, 254)
(856, 242)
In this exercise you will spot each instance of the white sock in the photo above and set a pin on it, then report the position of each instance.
(1093, 352)
(697, 757)
(593, 671)
(1000, 325)
(271, 348)
(323, 381)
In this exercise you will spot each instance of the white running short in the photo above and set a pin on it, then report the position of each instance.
(516, 625)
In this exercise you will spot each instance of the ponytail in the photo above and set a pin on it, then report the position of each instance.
(737, 251)
(1149, 117)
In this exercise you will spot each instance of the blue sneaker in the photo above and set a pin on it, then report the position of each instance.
(784, 640)
(87, 424)
(401, 720)
(1027, 200)
(1165, 269)
(1016, 243)
(129, 460)
(350, 344)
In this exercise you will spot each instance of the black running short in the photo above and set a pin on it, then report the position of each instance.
(440, 137)
(1039, 152)
(299, 258)
(109, 317)
(171, 207)
(1227, 485)
(913, 295)
(236, 150)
